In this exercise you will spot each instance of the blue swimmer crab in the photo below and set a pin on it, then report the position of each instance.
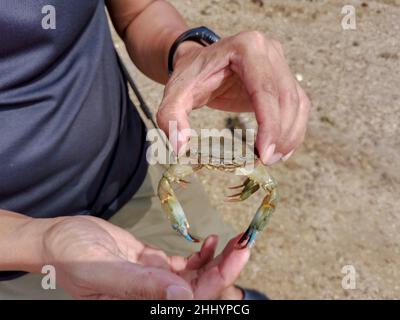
(249, 165)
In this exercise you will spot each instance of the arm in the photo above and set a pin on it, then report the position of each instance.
(95, 259)
(78, 246)
(148, 28)
(21, 241)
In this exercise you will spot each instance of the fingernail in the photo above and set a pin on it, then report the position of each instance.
(268, 153)
(274, 158)
(182, 137)
(288, 155)
(175, 292)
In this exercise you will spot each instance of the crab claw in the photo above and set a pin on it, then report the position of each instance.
(248, 238)
(178, 219)
(183, 231)
(174, 210)
(260, 219)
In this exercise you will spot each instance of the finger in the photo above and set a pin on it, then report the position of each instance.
(191, 86)
(231, 246)
(124, 280)
(153, 257)
(206, 254)
(228, 248)
(223, 274)
(196, 260)
(178, 101)
(288, 99)
(299, 128)
(173, 119)
(253, 65)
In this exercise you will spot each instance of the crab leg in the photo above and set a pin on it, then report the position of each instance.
(169, 201)
(240, 185)
(257, 178)
(260, 219)
(249, 187)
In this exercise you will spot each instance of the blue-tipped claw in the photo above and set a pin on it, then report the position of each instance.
(189, 237)
(248, 238)
(184, 233)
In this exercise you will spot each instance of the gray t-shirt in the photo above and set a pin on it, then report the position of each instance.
(71, 142)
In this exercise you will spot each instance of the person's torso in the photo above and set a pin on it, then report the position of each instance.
(70, 141)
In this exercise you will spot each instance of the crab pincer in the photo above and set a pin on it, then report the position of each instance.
(260, 219)
(169, 201)
(257, 178)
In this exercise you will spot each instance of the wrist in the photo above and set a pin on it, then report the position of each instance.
(201, 35)
(29, 252)
(184, 49)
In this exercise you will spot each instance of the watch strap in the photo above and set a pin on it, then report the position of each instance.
(201, 35)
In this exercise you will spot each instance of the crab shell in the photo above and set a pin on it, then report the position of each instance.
(221, 153)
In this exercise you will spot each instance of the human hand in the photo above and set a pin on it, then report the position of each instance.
(241, 73)
(97, 260)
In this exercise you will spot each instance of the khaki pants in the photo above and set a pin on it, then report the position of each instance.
(143, 217)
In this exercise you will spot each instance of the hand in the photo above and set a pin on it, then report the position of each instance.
(242, 73)
(97, 260)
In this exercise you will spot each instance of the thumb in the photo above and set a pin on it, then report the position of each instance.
(125, 280)
(172, 118)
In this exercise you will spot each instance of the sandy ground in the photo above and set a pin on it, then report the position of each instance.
(341, 191)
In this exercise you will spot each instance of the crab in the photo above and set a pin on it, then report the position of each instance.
(223, 156)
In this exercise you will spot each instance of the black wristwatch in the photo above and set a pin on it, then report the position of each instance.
(201, 35)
